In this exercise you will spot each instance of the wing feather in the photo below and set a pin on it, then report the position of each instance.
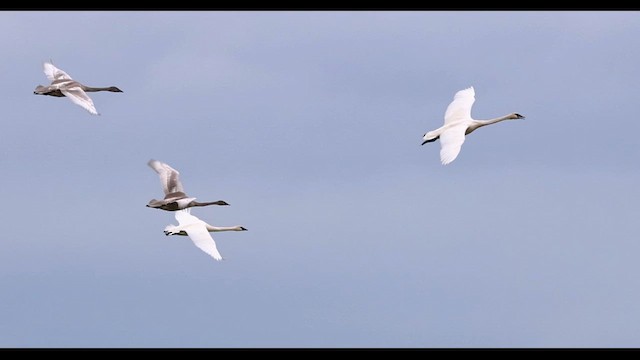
(169, 177)
(79, 97)
(184, 217)
(197, 231)
(451, 142)
(460, 107)
(53, 73)
(202, 239)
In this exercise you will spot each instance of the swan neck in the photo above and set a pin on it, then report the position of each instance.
(493, 121)
(196, 203)
(94, 89)
(211, 228)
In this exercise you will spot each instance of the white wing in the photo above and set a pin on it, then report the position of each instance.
(184, 217)
(450, 143)
(169, 177)
(79, 97)
(53, 73)
(203, 240)
(460, 107)
(198, 233)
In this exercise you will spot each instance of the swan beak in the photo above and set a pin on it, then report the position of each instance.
(520, 116)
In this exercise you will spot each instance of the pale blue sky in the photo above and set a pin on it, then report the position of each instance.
(309, 124)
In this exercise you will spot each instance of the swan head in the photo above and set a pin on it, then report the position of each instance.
(242, 228)
(168, 230)
(40, 90)
(173, 230)
(515, 116)
(429, 137)
(113, 89)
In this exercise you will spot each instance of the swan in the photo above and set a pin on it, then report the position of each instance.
(198, 231)
(175, 197)
(171, 229)
(458, 123)
(63, 85)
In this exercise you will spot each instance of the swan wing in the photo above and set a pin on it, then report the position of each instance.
(451, 142)
(169, 177)
(203, 240)
(198, 233)
(184, 217)
(53, 73)
(460, 107)
(79, 97)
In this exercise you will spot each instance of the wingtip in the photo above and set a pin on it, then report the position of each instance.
(92, 111)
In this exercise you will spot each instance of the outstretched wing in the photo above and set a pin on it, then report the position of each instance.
(79, 97)
(451, 142)
(53, 73)
(198, 233)
(460, 107)
(169, 177)
(203, 240)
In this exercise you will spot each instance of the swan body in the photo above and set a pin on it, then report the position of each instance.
(198, 231)
(62, 85)
(458, 123)
(175, 198)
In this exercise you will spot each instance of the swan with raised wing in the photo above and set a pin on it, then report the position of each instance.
(174, 196)
(198, 231)
(62, 85)
(458, 123)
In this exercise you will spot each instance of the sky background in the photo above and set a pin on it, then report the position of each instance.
(309, 124)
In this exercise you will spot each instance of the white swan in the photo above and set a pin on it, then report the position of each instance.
(198, 231)
(458, 123)
(62, 85)
(175, 197)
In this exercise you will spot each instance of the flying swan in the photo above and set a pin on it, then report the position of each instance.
(62, 85)
(174, 195)
(198, 231)
(458, 123)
